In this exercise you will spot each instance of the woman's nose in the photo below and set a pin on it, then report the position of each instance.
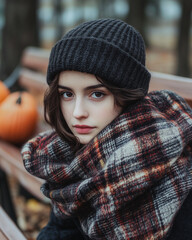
(80, 110)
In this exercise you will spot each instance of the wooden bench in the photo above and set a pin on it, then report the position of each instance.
(8, 229)
(32, 76)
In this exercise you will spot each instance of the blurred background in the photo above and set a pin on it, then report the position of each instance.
(166, 26)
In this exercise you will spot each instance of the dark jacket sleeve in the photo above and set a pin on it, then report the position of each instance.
(60, 229)
(182, 226)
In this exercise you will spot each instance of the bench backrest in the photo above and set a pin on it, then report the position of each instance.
(32, 76)
(35, 58)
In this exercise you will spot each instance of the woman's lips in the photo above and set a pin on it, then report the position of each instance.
(83, 129)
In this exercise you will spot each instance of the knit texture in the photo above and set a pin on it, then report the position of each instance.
(108, 48)
(130, 181)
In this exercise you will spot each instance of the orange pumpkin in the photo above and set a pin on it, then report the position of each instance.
(18, 117)
(4, 91)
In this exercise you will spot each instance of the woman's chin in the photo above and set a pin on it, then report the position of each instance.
(84, 139)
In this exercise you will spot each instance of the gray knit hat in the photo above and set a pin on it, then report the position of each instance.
(108, 48)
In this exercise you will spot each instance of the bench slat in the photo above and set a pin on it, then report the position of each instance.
(8, 229)
(33, 81)
(180, 85)
(35, 58)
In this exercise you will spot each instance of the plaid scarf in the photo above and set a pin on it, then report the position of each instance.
(130, 181)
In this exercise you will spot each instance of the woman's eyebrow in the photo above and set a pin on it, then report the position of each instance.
(87, 88)
(63, 87)
(94, 86)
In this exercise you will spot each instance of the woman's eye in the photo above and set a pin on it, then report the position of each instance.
(97, 95)
(67, 95)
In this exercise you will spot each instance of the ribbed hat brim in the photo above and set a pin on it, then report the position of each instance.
(100, 58)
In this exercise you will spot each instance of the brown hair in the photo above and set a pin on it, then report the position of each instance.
(54, 116)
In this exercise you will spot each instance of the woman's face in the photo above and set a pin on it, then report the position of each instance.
(87, 105)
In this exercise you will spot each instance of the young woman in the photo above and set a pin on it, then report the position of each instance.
(118, 164)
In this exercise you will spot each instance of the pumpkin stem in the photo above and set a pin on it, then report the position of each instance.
(19, 99)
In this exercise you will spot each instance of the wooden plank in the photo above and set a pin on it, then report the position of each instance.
(180, 85)
(33, 81)
(35, 58)
(2, 236)
(8, 229)
(12, 163)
